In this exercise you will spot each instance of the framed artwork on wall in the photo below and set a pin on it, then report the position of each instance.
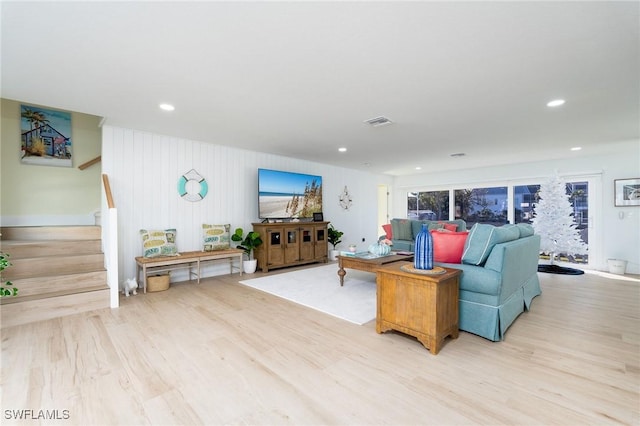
(627, 192)
(45, 137)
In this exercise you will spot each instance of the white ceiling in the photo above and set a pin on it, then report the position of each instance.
(299, 78)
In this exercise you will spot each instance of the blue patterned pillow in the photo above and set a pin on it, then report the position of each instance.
(215, 237)
(159, 242)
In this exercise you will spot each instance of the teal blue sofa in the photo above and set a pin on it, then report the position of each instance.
(499, 271)
(404, 231)
(499, 277)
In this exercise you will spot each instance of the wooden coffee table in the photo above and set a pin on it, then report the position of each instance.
(365, 264)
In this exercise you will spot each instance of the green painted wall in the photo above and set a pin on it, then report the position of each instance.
(44, 191)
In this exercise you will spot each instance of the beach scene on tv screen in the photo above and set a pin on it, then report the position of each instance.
(285, 195)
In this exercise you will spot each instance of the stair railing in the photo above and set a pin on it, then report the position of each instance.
(110, 241)
(107, 192)
(90, 163)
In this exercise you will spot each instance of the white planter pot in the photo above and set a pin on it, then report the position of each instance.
(249, 266)
(333, 254)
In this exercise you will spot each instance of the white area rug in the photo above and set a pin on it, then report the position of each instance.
(319, 289)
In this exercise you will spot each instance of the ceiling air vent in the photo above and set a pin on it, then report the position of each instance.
(379, 121)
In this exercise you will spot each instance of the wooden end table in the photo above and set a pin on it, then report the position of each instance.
(423, 306)
(364, 264)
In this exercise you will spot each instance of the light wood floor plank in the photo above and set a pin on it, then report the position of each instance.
(223, 353)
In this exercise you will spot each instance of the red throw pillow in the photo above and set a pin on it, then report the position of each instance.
(387, 230)
(448, 246)
(450, 227)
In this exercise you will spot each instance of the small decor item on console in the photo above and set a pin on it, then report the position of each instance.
(129, 286)
(423, 257)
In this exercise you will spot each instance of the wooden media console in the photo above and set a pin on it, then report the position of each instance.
(291, 243)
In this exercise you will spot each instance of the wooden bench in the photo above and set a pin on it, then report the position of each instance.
(189, 259)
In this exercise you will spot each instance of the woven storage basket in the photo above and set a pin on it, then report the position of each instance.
(158, 283)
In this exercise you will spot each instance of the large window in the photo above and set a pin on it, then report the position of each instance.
(482, 205)
(495, 205)
(430, 205)
(524, 199)
(473, 205)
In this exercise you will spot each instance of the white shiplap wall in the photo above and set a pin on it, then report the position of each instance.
(144, 169)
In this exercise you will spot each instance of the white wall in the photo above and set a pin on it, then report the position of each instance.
(144, 169)
(620, 237)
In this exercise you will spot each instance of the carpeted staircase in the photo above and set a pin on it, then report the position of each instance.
(58, 271)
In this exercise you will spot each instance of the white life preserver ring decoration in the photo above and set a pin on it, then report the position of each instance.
(192, 186)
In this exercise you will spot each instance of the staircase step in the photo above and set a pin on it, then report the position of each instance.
(50, 286)
(58, 271)
(39, 233)
(20, 249)
(29, 311)
(53, 265)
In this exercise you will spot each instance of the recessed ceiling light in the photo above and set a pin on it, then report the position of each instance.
(343, 149)
(418, 168)
(167, 107)
(378, 121)
(556, 102)
(576, 148)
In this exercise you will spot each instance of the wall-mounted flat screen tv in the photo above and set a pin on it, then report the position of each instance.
(287, 195)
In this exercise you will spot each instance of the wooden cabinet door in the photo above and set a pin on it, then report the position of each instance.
(320, 235)
(275, 247)
(307, 242)
(291, 244)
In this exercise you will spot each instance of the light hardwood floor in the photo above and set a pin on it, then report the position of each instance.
(223, 353)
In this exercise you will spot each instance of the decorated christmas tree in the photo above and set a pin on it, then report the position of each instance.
(554, 221)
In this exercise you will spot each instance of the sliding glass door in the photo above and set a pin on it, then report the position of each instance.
(513, 202)
(526, 197)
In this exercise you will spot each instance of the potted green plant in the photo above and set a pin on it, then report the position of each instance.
(9, 290)
(334, 237)
(247, 243)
